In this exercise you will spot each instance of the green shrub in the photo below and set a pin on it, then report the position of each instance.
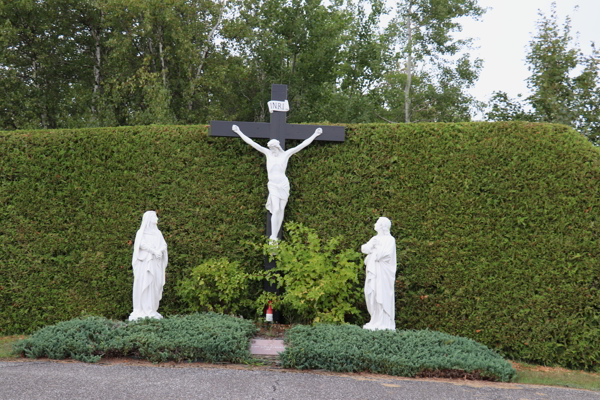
(349, 348)
(83, 339)
(216, 285)
(320, 281)
(197, 337)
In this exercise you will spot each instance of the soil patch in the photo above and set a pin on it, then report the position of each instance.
(272, 331)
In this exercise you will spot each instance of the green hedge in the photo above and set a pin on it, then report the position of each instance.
(73, 200)
(349, 348)
(497, 224)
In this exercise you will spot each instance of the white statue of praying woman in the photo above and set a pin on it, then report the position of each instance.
(278, 185)
(380, 277)
(149, 263)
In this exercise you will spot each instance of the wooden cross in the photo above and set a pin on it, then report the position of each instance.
(280, 130)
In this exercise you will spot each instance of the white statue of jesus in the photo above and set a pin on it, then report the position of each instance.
(279, 185)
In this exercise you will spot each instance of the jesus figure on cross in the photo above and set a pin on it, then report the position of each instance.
(278, 185)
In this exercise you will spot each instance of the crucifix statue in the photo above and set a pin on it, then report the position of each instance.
(278, 185)
(277, 157)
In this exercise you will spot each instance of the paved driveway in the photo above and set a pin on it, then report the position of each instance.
(69, 380)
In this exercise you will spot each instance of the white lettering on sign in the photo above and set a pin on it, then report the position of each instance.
(275, 105)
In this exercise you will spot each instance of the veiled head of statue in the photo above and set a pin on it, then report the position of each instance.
(149, 219)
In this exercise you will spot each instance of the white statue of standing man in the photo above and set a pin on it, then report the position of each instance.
(279, 185)
(380, 277)
(149, 263)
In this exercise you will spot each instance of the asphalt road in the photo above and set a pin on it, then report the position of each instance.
(69, 380)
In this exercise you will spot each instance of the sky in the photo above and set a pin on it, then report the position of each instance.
(505, 30)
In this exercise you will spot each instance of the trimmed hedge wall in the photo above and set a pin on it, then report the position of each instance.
(497, 224)
(73, 200)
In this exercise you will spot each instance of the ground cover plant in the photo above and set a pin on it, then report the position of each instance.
(497, 224)
(349, 348)
(211, 337)
(197, 337)
(526, 374)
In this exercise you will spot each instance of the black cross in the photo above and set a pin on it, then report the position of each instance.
(277, 128)
(280, 130)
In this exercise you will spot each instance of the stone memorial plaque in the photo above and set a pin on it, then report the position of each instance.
(266, 347)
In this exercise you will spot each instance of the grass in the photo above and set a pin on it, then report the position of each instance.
(6, 343)
(556, 376)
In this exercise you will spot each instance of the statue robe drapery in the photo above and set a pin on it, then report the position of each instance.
(379, 282)
(148, 270)
(277, 192)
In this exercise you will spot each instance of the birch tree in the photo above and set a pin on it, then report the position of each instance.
(422, 32)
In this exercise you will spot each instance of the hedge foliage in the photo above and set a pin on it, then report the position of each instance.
(497, 224)
(349, 348)
(196, 337)
(73, 200)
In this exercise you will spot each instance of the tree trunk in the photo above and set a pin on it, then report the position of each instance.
(97, 65)
(203, 55)
(43, 114)
(294, 64)
(163, 66)
(151, 52)
(408, 69)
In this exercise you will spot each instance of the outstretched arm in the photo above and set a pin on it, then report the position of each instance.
(246, 139)
(302, 145)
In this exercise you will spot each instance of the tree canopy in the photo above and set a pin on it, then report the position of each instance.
(86, 63)
(564, 82)
(89, 63)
